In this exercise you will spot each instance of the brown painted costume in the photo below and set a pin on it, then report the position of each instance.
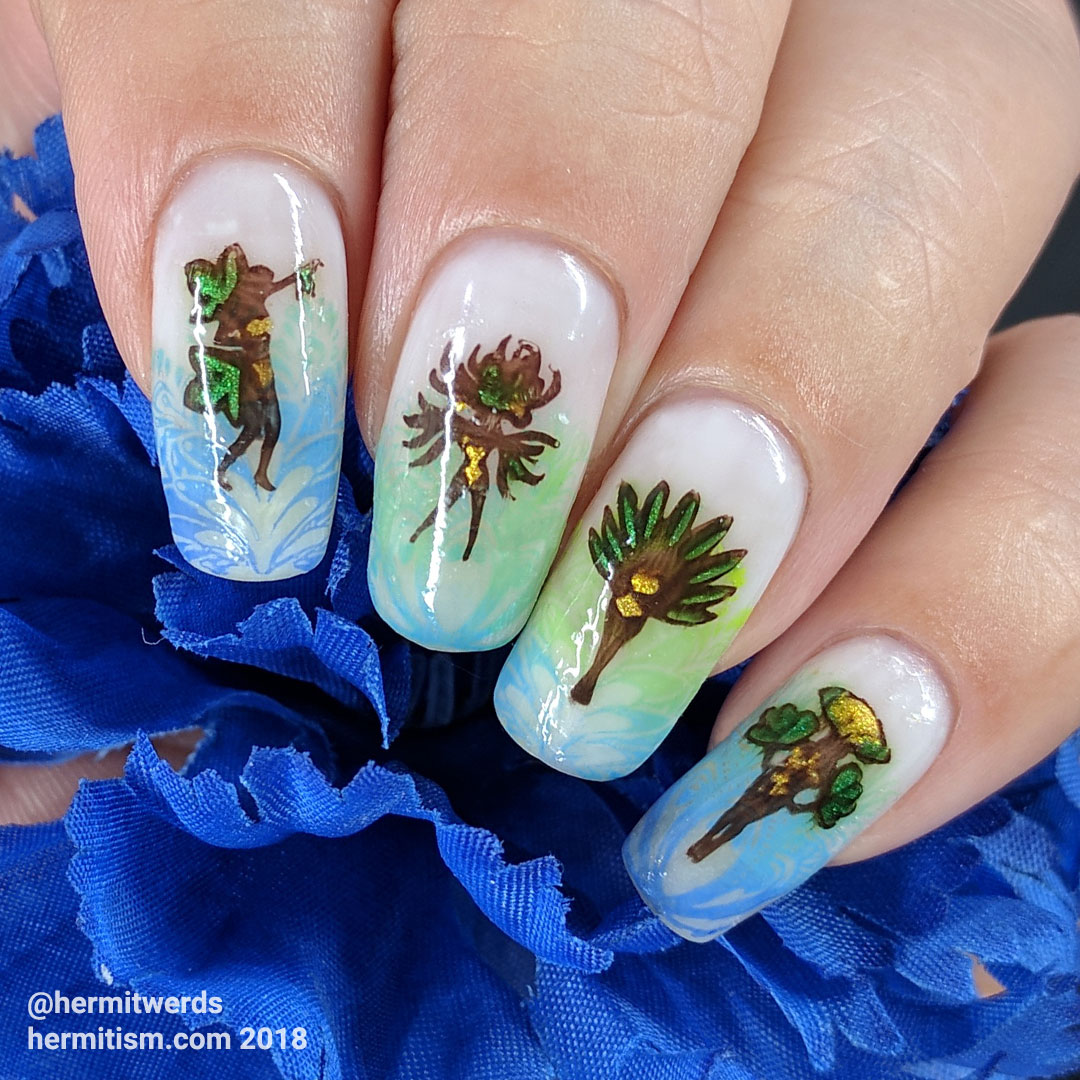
(234, 294)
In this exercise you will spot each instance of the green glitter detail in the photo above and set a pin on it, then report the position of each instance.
(684, 512)
(628, 513)
(715, 567)
(689, 617)
(783, 725)
(492, 389)
(212, 283)
(223, 381)
(708, 596)
(843, 797)
(599, 556)
(306, 277)
(656, 506)
(710, 539)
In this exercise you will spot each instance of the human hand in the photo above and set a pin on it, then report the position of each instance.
(763, 352)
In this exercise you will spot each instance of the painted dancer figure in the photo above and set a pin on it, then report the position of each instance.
(482, 395)
(235, 375)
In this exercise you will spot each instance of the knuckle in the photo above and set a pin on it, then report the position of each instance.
(689, 57)
(655, 59)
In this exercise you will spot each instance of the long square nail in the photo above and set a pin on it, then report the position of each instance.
(249, 366)
(491, 419)
(659, 576)
(793, 784)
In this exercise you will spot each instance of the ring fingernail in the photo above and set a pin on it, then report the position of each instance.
(663, 570)
(249, 364)
(490, 423)
(771, 804)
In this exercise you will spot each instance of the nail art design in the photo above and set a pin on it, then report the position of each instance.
(482, 395)
(657, 566)
(807, 771)
(249, 367)
(645, 599)
(490, 423)
(804, 753)
(235, 375)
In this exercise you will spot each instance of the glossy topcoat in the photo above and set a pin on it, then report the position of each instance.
(809, 768)
(249, 367)
(490, 423)
(636, 613)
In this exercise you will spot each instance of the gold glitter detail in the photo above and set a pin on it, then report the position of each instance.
(780, 782)
(460, 406)
(854, 719)
(799, 762)
(628, 606)
(645, 584)
(517, 408)
(475, 454)
(259, 327)
(264, 373)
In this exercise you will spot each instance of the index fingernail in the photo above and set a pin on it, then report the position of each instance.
(249, 365)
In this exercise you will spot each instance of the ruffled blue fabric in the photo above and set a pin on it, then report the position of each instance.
(357, 849)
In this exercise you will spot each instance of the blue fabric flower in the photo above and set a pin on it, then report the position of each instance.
(356, 848)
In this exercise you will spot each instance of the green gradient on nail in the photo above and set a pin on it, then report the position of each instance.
(423, 588)
(645, 687)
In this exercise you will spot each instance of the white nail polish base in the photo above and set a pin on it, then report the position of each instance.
(229, 524)
(775, 853)
(740, 466)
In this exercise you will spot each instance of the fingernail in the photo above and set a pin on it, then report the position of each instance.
(490, 422)
(250, 336)
(660, 574)
(792, 785)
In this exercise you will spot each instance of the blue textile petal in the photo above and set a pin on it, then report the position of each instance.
(89, 680)
(65, 533)
(224, 860)
(357, 849)
(45, 951)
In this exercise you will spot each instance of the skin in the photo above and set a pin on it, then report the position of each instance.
(819, 208)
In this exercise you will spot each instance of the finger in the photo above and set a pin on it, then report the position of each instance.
(30, 794)
(552, 172)
(958, 612)
(886, 210)
(28, 90)
(226, 163)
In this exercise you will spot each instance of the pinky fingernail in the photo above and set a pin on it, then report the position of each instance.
(809, 769)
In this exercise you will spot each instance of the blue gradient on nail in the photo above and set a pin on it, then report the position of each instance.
(532, 700)
(768, 859)
(911, 710)
(248, 533)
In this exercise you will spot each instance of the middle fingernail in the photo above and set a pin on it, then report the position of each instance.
(663, 570)
(490, 423)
